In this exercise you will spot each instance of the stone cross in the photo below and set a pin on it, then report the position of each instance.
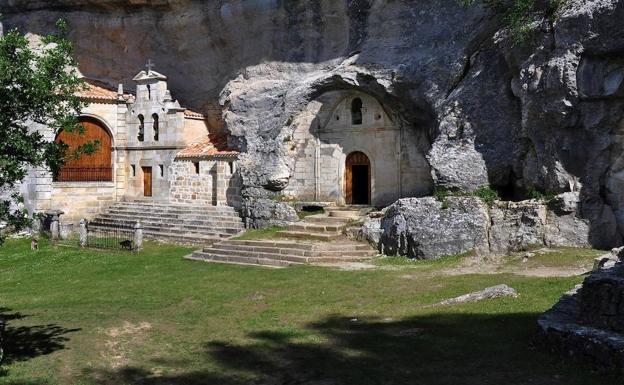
(149, 65)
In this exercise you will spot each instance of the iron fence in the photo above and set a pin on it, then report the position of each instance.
(84, 174)
(110, 236)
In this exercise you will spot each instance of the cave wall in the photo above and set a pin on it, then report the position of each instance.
(541, 114)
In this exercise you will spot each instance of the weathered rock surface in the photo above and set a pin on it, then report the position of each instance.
(260, 213)
(492, 292)
(545, 114)
(425, 228)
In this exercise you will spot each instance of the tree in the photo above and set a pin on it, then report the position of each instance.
(38, 86)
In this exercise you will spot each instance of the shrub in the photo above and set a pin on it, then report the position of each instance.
(487, 195)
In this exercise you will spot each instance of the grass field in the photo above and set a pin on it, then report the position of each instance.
(97, 317)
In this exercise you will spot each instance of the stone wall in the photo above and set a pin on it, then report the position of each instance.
(81, 200)
(215, 184)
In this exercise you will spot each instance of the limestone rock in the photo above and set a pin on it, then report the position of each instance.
(371, 230)
(515, 226)
(260, 213)
(487, 293)
(425, 228)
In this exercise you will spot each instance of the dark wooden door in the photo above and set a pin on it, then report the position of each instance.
(147, 181)
(357, 179)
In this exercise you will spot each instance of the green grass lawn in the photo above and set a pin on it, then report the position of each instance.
(97, 317)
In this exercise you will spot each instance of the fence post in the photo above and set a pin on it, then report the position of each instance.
(138, 236)
(83, 232)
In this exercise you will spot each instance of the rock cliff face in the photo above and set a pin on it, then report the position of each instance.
(545, 114)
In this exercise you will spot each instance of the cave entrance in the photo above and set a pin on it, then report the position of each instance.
(358, 179)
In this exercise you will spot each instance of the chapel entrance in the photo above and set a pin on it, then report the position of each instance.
(147, 181)
(358, 179)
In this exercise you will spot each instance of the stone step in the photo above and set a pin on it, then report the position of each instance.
(309, 235)
(175, 233)
(293, 254)
(168, 219)
(315, 228)
(279, 259)
(239, 260)
(324, 219)
(182, 224)
(349, 214)
(168, 206)
(273, 244)
(173, 214)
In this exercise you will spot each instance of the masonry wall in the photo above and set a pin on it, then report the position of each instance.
(213, 185)
(324, 135)
(81, 200)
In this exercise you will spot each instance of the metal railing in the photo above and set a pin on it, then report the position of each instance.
(84, 174)
(110, 236)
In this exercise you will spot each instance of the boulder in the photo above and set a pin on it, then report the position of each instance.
(426, 228)
(260, 213)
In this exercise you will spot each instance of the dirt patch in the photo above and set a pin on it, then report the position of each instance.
(121, 340)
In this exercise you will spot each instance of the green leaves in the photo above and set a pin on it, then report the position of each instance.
(519, 15)
(38, 86)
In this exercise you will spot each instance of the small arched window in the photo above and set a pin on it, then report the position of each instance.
(141, 135)
(356, 111)
(149, 92)
(156, 128)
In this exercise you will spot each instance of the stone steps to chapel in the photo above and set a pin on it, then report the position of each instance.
(169, 218)
(176, 222)
(167, 233)
(283, 253)
(172, 206)
(172, 213)
(278, 251)
(173, 229)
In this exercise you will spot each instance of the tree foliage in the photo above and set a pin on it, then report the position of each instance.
(518, 15)
(38, 86)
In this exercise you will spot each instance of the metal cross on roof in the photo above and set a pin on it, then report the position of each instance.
(149, 65)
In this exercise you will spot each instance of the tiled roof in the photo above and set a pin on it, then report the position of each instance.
(193, 114)
(210, 146)
(94, 91)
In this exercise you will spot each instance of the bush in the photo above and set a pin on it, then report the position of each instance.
(518, 15)
(487, 195)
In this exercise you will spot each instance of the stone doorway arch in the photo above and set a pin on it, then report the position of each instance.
(357, 179)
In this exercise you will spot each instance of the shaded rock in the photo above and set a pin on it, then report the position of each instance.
(370, 230)
(425, 228)
(588, 322)
(487, 293)
(609, 260)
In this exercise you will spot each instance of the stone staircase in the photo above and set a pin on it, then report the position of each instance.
(284, 253)
(328, 226)
(188, 224)
(318, 239)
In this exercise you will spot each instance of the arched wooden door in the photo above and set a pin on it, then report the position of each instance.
(358, 179)
(87, 167)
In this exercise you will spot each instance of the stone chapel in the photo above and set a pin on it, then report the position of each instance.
(150, 149)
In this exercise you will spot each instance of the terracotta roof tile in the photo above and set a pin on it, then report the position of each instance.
(94, 91)
(193, 114)
(210, 146)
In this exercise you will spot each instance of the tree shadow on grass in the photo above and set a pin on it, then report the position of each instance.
(434, 349)
(22, 343)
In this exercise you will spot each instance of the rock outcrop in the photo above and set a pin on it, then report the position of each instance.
(427, 228)
(543, 114)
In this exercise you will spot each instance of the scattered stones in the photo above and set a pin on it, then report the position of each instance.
(488, 293)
